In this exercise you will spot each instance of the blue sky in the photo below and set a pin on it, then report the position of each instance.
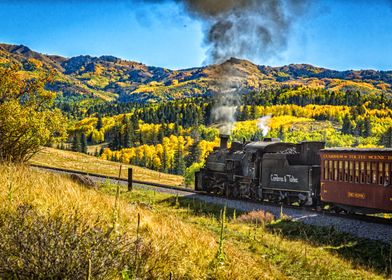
(334, 34)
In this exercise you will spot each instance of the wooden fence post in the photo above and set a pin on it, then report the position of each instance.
(119, 174)
(130, 179)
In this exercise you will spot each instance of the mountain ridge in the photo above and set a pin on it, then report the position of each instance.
(108, 77)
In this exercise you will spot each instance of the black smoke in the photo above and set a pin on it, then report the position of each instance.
(252, 29)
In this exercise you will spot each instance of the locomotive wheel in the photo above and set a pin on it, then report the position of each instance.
(227, 191)
(235, 191)
(253, 192)
(302, 203)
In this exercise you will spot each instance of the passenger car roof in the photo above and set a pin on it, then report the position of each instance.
(356, 150)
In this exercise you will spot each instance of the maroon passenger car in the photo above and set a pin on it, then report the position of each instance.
(357, 178)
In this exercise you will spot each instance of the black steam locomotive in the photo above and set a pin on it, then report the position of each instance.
(351, 179)
(267, 170)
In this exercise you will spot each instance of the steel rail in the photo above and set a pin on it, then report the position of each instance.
(152, 184)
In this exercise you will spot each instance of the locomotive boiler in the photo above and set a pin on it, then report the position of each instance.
(265, 170)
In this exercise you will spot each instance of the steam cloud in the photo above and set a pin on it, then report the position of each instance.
(263, 124)
(223, 113)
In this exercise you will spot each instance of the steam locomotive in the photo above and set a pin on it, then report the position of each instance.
(305, 174)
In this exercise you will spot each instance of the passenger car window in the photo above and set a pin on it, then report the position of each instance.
(374, 172)
(386, 174)
(380, 173)
(368, 173)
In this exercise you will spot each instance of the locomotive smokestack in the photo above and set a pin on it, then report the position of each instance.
(224, 138)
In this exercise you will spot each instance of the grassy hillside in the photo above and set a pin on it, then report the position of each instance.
(82, 162)
(145, 235)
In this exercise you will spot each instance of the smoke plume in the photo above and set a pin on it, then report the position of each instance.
(249, 29)
(252, 29)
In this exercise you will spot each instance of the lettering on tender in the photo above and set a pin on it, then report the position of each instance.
(288, 178)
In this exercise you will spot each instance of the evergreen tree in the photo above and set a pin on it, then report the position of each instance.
(164, 166)
(281, 133)
(245, 113)
(207, 114)
(115, 142)
(252, 112)
(359, 129)
(140, 138)
(76, 145)
(347, 127)
(176, 130)
(193, 154)
(161, 134)
(83, 144)
(154, 137)
(386, 138)
(179, 161)
(367, 128)
(128, 135)
(135, 121)
(166, 130)
(257, 136)
(99, 122)
(238, 115)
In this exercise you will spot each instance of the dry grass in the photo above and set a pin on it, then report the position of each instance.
(296, 251)
(82, 162)
(256, 217)
(177, 238)
(174, 247)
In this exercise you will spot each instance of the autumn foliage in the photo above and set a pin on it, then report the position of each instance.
(26, 120)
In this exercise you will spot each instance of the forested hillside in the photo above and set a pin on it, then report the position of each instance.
(161, 119)
(112, 78)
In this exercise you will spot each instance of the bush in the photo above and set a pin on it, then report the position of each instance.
(36, 246)
(27, 120)
(190, 173)
(256, 217)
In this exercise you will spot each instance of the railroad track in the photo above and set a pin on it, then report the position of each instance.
(364, 218)
(360, 217)
(151, 184)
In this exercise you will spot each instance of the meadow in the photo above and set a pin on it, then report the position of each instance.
(82, 162)
(53, 227)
